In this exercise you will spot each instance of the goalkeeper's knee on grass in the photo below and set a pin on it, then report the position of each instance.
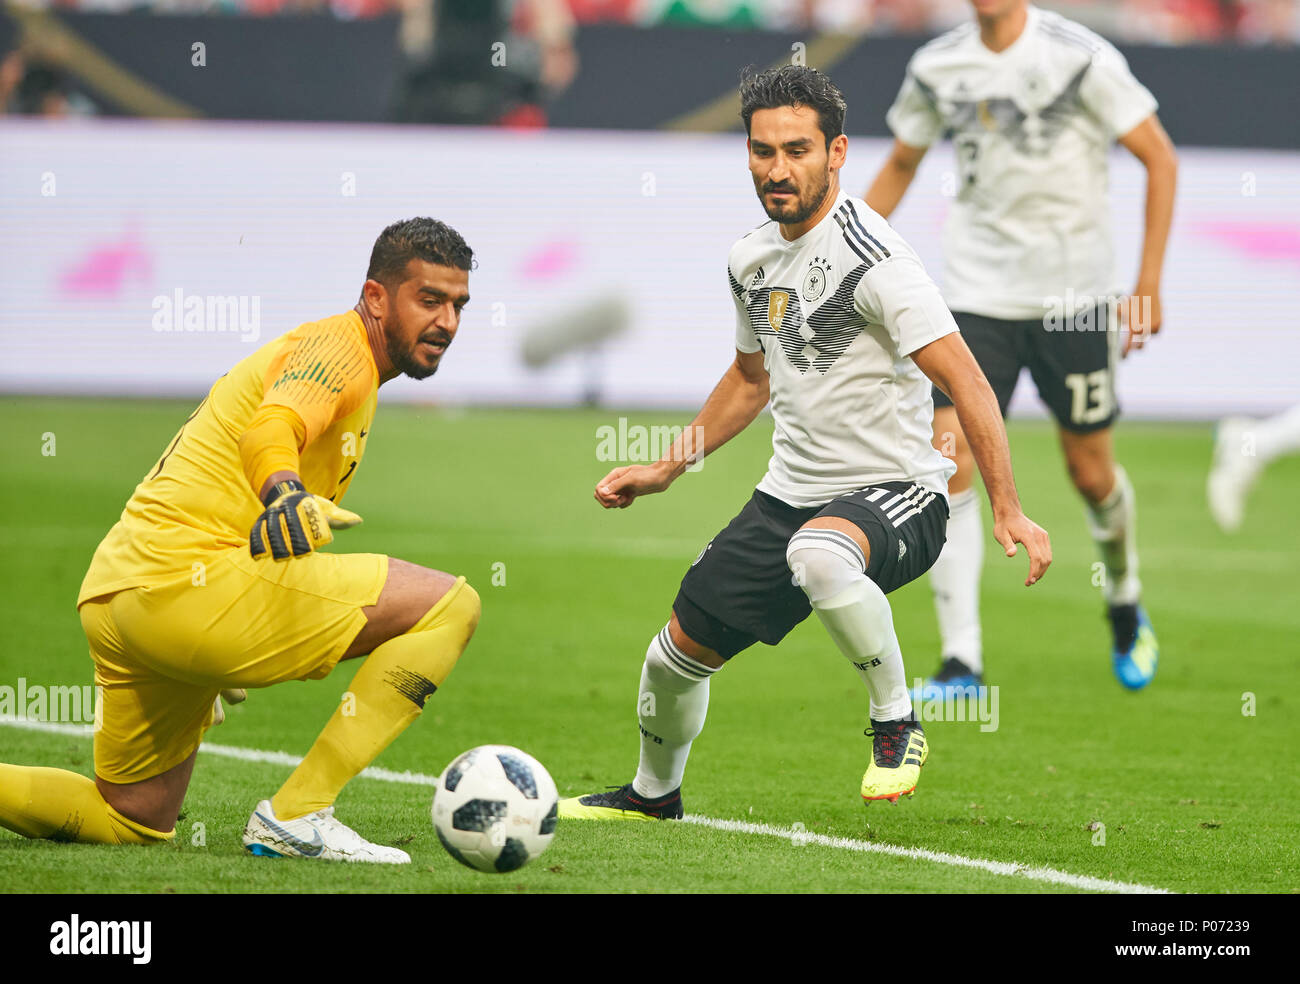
(386, 695)
(54, 804)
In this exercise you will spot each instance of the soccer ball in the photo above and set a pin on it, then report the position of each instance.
(495, 808)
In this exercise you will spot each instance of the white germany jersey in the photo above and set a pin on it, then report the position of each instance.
(1032, 127)
(836, 314)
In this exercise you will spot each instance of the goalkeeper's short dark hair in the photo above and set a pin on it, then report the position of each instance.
(793, 85)
(416, 239)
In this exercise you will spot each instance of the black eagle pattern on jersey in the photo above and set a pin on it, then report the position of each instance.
(736, 289)
(1030, 133)
(814, 342)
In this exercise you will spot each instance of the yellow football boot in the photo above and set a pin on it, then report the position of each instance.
(898, 750)
(623, 803)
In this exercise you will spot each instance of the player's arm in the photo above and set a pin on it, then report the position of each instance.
(270, 446)
(294, 522)
(1126, 109)
(899, 295)
(949, 364)
(739, 397)
(895, 177)
(1149, 143)
(916, 123)
(303, 395)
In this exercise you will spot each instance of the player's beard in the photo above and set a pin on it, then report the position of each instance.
(804, 208)
(403, 359)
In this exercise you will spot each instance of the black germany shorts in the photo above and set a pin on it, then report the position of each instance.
(1072, 364)
(740, 590)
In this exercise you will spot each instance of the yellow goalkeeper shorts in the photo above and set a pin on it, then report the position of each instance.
(163, 652)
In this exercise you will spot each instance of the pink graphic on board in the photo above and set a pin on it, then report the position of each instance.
(1258, 240)
(103, 270)
(549, 261)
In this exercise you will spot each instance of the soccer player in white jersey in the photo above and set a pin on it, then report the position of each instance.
(838, 323)
(1243, 448)
(1033, 103)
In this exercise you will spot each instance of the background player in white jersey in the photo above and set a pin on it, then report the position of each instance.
(1243, 448)
(838, 322)
(1033, 102)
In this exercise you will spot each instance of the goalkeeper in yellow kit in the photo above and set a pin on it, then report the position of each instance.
(210, 580)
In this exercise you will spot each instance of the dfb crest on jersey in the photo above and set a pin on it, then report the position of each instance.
(814, 281)
(814, 340)
(777, 303)
(1034, 83)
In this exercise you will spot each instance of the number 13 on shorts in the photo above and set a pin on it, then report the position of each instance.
(1091, 396)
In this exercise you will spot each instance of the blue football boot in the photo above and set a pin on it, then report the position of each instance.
(1136, 651)
(954, 680)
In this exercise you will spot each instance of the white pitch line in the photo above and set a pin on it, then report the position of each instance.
(795, 836)
(229, 751)
(1006, 868)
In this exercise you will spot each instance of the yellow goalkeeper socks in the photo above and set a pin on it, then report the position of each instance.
(65, 806)
(387, 694)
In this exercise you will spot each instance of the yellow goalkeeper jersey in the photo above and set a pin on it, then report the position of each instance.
(196, 499)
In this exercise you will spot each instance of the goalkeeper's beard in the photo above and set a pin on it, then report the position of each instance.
(404, 360)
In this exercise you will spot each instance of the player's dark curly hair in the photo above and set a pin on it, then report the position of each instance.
(416, 239)
(793, 85)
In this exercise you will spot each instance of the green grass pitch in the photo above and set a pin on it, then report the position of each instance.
(1194, 794)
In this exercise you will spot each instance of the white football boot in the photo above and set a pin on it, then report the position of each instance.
(317, 835)
(1232, 474)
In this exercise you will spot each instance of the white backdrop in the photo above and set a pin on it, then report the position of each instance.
(103, 218)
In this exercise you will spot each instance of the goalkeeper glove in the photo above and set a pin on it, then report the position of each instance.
(296, 522)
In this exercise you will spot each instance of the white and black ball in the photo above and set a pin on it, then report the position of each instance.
(495, 808)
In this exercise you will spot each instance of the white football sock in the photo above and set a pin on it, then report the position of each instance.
(1276, 436)
(955, 581)
(670, 709)
(1113, 524)
(829, 566)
